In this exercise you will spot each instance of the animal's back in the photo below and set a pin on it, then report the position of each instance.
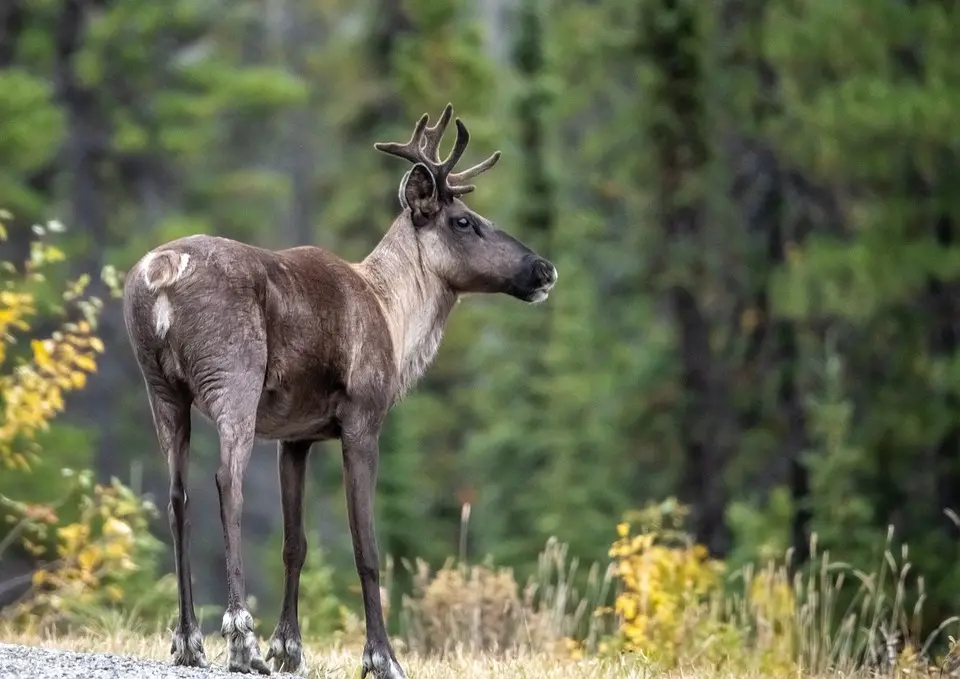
(198, 279)
(202, 310)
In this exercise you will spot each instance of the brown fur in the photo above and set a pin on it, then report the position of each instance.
(298, 346)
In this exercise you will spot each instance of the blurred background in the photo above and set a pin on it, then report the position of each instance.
(751, 204)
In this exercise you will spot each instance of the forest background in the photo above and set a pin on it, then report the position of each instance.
(748, 201)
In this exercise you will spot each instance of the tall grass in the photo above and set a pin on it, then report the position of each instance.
(825, 617)
(659, 607)
(843, 619)
(466, 607)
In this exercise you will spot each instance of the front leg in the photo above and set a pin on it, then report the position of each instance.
(360, 459)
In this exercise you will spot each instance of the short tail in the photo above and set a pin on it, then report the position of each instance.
(164, 268)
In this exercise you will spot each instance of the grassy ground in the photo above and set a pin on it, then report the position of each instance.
(327, 662)
(777, 621)
(342, 663)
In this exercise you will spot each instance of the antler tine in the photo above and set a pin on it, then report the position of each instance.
(424, 145)
(434, 134)
(462, 189)
(412, 149)
(479, 168)
(454, 180)
(463, 138)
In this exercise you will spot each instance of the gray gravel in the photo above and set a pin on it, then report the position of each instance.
(29, 662)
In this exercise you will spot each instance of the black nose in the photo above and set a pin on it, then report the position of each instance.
(544, 271)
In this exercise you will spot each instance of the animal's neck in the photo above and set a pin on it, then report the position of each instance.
(415, 301)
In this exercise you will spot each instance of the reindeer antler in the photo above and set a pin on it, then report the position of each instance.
(433, 134)
(424, 147)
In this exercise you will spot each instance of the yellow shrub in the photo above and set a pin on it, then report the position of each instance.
(88, 559)
(33, 391)
(665, 592)
(93, 557)
(673, 606)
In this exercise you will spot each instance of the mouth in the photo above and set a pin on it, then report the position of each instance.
(547, 280)
(539, 295)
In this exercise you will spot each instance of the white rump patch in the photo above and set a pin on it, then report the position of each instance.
(185, 258)
(158, 274)
(182, 260)
(145, 269)
(162, 315)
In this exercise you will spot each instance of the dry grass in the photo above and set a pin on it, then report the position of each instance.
(476, 621)
(342, 662)
(333, 662)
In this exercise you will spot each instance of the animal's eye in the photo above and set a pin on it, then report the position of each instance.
(462, 223)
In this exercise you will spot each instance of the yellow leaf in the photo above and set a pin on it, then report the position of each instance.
(96, 344)
(85, 363)
(88, 558)
(114, 593)
(115, 551)
(39, 577)
(41, 354)
(623, 529)
(72, 535)
(115, 527)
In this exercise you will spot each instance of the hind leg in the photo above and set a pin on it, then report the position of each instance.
(235, 411)
(171, 417)
(286, 648)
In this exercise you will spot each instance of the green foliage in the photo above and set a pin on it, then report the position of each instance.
(322, 613)
(760, 531)
(880, 408)
(31, 127)
(45, 484)
(751, 207)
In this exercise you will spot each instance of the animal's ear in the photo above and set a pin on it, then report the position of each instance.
(418, 191)
(402, 191)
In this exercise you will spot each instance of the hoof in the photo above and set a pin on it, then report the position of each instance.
(187, 649)
(243, 654)
(286, 652)
(379, 663)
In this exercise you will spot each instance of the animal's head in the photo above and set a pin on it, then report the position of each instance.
(467, 251)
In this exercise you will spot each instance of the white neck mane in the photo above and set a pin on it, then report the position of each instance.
(415, 302)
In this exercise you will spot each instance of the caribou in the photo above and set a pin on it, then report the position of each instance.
(300, 346)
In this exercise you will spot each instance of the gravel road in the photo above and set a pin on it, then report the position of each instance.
(29, 662)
